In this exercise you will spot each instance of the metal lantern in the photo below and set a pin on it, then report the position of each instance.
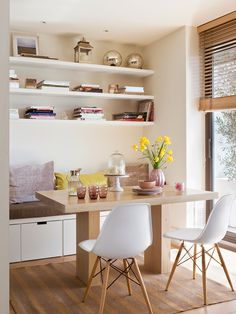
(83, 52)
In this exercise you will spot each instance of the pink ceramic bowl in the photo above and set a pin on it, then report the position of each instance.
(146, 184)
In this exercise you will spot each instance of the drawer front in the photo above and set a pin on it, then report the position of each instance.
(69, 237)
(14, 243)
(41, 240)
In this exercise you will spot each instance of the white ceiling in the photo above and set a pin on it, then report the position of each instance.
(134, 22)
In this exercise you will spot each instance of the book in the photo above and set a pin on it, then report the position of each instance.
(40, 115)
(14, 83)
(40, 107)
(146, 106)
(89, 115)
(132, 89)
(54, 83)
(129, 115)
(14, 114)
(88, 89)
(88, 110)
(54, 88)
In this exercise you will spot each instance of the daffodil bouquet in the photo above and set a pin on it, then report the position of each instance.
(158, 153)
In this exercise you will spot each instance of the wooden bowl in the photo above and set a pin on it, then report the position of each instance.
(146, 184)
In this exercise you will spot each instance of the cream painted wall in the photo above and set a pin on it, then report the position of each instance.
(167, 57)
(175, 86)
(195, 144)
(68, 144)
(4, 200)
(62, 47)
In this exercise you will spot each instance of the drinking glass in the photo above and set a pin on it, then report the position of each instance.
(81, 191)
(93, 192)
(102, 191)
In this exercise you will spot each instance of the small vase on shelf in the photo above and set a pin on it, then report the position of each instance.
(158, 176)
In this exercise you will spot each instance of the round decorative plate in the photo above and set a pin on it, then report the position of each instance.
(134, 60)
(112, 58)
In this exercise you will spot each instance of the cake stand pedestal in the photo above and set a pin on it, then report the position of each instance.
(116, 181)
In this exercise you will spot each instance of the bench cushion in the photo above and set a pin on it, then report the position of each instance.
(31, 210)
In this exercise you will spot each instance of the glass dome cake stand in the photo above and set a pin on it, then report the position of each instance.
(116, 187)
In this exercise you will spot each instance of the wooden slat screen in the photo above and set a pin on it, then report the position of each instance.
(218, 67)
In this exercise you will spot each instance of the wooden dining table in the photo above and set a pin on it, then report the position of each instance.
(157, 256)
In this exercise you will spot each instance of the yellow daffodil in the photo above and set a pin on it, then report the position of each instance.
(159, 139)
(158, 153)
(167, 140)
(144, 141)
(169, 158)
(142, 147)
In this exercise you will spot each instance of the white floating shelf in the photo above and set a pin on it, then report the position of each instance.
(78, 122)
(41, 92)
(85, 67)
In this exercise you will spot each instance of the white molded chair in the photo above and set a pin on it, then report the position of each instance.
(212, 233)
(126, 233)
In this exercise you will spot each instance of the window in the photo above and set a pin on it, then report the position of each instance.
(218, 67)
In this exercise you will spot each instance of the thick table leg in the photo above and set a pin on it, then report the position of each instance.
(157, 256)
(87, 227)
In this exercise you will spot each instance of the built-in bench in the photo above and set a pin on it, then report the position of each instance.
(40, 231)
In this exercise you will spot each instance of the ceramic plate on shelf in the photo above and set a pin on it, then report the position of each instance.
(155, 190)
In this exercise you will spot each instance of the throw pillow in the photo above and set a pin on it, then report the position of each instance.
(97, 178)
(26, 180)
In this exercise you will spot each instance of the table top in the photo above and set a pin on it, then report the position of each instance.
(71, 204)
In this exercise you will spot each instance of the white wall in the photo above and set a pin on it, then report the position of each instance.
(4, 200)
(68, 144)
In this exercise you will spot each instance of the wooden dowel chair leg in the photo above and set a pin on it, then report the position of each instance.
(194, 259)
(175, 265)
(104, 287)
(204, 275)
(142, 286)
(224, 266)
(127, 274)
(91, 279)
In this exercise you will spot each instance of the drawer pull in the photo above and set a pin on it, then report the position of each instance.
(42, 223)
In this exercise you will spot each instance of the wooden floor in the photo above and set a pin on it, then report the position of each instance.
(222, 308)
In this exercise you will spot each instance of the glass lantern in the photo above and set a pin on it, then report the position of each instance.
(116, 164)
(83, 52)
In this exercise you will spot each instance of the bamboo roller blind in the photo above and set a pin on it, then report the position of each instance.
(218, 67)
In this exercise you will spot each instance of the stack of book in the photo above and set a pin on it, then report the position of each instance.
(13, 114)
(130, 116)
(40, 112)
(146, 106)
(88, 113)
(133, 90)
(89, 88)
(54, 85)
(13, 79)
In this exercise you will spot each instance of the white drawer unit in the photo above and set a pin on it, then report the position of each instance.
(69, 236)
(37, 238)
(14, 243)
(41, 239)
